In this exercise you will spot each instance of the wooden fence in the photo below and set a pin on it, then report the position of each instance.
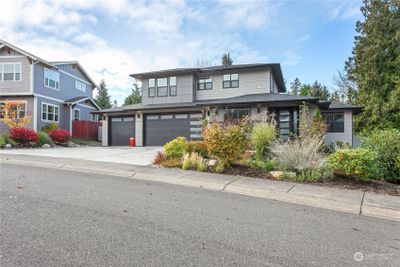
(87, 130)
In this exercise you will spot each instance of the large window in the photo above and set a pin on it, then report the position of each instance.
(205, 83)
(50, 112)
(235, 114)
(10, 72)
(19, 108)
(230, 81)
(152, 87)
(51, 79)
(172, 87)
(162, 87)
(80, 86)
(334, 121)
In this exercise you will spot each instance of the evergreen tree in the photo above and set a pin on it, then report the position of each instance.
(375, 65)
(295, 87)
(227, 60)
(315, 90)
(336, 97)
(135, 96)
(103, 99)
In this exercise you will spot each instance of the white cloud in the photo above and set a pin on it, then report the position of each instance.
(304, 38)
(346, 10)
(291, 58)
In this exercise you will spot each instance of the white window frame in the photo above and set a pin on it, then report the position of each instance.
(12, 63)
(47, 113)
(79, 114)
(95, 117)
(48, 85)
(80, 86)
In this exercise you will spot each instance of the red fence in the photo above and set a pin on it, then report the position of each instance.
(87, 130)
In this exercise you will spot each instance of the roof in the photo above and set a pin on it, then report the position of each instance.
(276, 69)
(74, 62)
(355, 108)
(78, 99)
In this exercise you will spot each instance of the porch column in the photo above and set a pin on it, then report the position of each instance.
(104, 131)
(139, 129)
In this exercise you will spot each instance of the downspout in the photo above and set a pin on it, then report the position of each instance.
(35, 100)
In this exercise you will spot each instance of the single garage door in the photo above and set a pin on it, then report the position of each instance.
(162, 128)
(121, 129)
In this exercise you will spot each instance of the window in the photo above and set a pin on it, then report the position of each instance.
(50, 112)
(51, 79)
(205, 83)
(230, 81)
(172, 86)
(162, 87)
(152, 87)
(95, 117)
(80, 86)
(334, 121)
(77, 114)
(10, 72)
(20, 109)
(235, 114)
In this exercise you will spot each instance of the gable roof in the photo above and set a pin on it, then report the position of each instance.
(79, 99)
(74, 62)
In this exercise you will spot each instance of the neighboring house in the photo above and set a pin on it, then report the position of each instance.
(58, 92)
(175, 102)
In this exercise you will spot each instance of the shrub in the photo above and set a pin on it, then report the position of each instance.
(172, 163)
(23, 136)
(228, 142)
(7, 139)
(202, 166)
(175, 148)
(354, 163)
(49, 127)
(59, 136)
(310, 175)
(268, 165)
(200, 147)
(159, 158)
(219, 167)
(386, 143)
(2, 141)
(300, 153)
(262, 137)
(44, 138)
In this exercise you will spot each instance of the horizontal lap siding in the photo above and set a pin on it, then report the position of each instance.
(347, 135)
(64, 122)
(22, 86)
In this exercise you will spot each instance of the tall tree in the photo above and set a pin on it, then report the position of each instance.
(375, 65)
(103, 99)
(336, 97)
(135, 96)
(346, 87)
(315, 90)
(295, 87)
(227, 60)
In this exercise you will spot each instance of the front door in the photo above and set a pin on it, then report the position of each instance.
(287, 121)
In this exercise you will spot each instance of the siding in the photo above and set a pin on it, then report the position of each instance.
(72, 69)
(250, 82)
(347, 135)
(22, 86)
(184, 92)
(29, 112)
(63, 116)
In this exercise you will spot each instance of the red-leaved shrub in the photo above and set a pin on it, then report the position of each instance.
(159, 158)
(23, 136)
(59, 136)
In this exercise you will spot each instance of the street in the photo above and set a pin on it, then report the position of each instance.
(54, 217)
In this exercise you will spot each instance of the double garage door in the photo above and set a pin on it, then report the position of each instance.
(162, 128)
(121, 129)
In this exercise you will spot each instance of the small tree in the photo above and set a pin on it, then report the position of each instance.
(135, 97)
(103, 99)
(227, 60)
(11, 114)
(295, 87)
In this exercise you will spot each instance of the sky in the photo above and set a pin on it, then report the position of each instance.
(114, 38)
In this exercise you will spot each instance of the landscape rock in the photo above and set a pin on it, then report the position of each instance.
(212, 162)
(8, 146)
(281, 174)
(46, 146)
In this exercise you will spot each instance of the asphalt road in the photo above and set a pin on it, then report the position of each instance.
(55, 217)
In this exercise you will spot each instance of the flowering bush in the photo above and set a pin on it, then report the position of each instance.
(59, 136)
(23, 136)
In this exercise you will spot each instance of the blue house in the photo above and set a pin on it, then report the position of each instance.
(52, 92)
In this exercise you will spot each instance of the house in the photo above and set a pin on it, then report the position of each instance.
(175, 102)
(58, 92)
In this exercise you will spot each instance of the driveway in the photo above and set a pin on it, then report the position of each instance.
(128, 155)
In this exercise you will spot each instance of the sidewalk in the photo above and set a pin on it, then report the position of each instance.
(350, 201)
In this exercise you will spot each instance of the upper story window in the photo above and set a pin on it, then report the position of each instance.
(162, 87)
(230, 81)
(334, 121)
(152, 87)
(51, 79)
(50, 112)
(172, 87)
(80, 86)
(205, 83)
(10, 72)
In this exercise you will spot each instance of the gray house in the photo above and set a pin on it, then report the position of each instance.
(58, 92)
(175, 102)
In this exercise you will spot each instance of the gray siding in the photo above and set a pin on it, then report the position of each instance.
(72, 69)
(250, 82)
(23, 86)
(63, 116)
(29, 112)
(185, 92)
(347, 135)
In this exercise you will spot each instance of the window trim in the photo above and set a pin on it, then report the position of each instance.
(152, 88)
(2, 72)
(172, 86)
(230, 81)
(158, 87)
(80, 83)
(329, 122)
(79, 113)
(44, 80)
(205, 83)
(47, 113)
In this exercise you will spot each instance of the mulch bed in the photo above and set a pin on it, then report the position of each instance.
(381, 187)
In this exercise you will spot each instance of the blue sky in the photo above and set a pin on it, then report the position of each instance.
(114, 38)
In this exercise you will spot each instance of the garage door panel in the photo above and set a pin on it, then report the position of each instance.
(122, 128)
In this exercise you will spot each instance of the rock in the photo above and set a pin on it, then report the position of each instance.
(212, 162)
(8, 146)
(46, 146)
(276, 174)
(72, 144)
(281, 174)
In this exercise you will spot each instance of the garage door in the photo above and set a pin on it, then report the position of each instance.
(162, 128)
(121, 129)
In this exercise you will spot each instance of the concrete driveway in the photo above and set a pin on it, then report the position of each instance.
(128, 155)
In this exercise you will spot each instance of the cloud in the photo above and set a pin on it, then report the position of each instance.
(346, 10)
(304, 38)
(291, 58)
